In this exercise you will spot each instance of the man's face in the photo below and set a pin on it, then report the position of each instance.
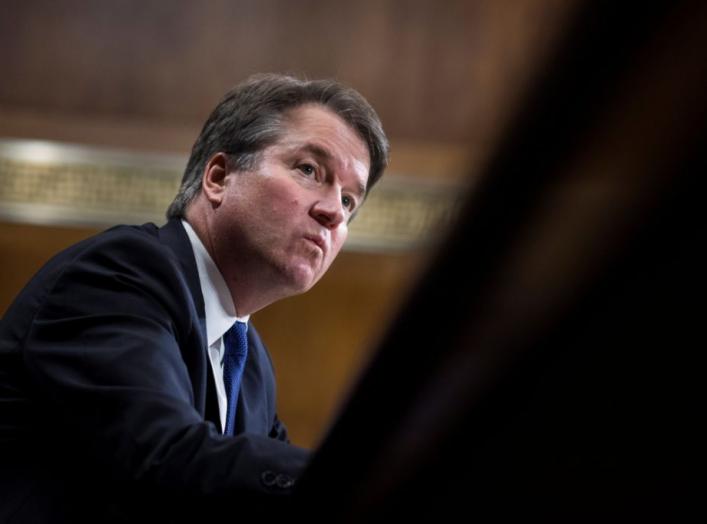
(284, 221)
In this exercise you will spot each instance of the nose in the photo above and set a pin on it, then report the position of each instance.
(328, 209)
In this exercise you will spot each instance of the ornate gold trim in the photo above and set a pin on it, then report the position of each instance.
(62, 184)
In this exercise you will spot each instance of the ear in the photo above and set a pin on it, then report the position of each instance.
(213, 184)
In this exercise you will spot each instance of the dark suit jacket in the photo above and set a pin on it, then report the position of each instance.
(107, 399)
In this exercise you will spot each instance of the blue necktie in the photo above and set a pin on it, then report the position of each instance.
(236, 351)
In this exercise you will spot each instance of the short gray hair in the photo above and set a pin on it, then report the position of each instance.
(249, 118)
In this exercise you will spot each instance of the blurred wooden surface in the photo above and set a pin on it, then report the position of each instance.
(436, 71)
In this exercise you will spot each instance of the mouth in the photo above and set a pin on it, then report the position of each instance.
(317, 241)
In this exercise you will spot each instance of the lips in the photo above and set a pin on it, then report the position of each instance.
(318, 240)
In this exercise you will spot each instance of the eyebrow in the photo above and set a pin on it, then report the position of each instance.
(323, 153)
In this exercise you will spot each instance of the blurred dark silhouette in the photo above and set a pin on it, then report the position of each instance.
(549, 363)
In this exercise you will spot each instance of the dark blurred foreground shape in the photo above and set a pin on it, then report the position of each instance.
(549, 363)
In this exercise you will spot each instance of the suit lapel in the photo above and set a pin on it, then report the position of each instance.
(173, 235)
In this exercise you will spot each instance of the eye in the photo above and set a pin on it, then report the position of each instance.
(307, 169)
(348, 202)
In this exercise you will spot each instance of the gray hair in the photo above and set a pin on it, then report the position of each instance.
(249, 118)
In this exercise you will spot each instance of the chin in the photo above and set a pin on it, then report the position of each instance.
(301, 279)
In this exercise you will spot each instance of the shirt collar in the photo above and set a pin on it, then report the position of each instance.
(218, 304)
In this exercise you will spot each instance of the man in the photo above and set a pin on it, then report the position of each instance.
(126, 392)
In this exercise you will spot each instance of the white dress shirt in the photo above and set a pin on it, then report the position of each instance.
(219, 310)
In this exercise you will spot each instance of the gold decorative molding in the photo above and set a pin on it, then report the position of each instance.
(54, 183)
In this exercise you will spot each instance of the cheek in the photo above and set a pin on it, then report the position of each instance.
(281, 198)
(338, 240)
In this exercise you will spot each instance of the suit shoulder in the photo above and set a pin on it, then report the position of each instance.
(121, 257)
(118, 268)
(124, 244)
(145, 235)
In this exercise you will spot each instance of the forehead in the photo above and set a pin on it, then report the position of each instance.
(315, 124)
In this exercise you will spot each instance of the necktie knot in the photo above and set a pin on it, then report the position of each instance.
(234, 358)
